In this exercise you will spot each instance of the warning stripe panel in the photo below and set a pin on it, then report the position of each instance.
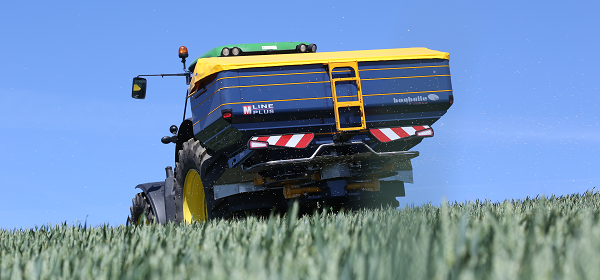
(289, 140)
(262, 138)
(395, 133)
(283, 140)
(380, 135)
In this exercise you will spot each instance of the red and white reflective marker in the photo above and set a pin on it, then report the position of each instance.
(258, 144)
(425, 133)
(395, 133)
(290, 140)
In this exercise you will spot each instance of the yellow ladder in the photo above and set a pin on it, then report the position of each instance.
(341, 104)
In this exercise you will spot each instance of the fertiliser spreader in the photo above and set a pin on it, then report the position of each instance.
(278, 122)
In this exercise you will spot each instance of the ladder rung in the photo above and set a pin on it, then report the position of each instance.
(351, 128)
(345, 79)
(348, 104)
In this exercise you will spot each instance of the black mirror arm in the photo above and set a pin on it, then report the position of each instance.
(166, 75)
(188, 76)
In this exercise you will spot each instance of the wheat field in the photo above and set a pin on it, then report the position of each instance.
(540, 238)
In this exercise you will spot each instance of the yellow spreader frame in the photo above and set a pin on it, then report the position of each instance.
(194, 200)
(337, 104)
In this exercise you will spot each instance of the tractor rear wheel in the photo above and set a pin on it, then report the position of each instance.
(140, 208)
(192, 195)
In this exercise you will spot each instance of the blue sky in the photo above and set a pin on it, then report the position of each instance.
(74, 144)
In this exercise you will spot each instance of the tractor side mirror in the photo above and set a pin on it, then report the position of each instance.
(139, 88)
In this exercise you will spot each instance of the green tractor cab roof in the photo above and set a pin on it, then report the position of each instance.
(257, 49)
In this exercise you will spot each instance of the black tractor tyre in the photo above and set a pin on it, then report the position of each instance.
(140, 206)
(193, 156)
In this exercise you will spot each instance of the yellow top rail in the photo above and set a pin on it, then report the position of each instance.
(211, 65)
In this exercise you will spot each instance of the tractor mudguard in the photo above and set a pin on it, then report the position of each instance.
(155, 193)
(185, 133)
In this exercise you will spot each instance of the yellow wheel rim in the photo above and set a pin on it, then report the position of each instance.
(139, 221)
(194, 202)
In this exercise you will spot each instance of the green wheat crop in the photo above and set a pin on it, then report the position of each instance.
(546, 238)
